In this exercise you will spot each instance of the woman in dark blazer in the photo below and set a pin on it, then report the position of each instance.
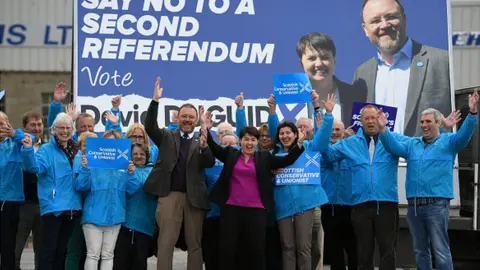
(244, 191)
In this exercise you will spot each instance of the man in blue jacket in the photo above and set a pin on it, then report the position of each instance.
(429, 184)
(12, 160)
(374, 190)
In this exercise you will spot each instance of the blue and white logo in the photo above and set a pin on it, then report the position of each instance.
(108, 153)
(292, 88)
(305, 171)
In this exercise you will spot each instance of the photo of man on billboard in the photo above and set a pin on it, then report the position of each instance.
(405, 73)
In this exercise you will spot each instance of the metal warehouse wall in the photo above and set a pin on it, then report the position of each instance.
(35, 16)
(466, 17)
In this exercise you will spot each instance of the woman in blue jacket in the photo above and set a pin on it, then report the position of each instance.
(295, 204)
(59, 202)
(136, 233)
(104, 208)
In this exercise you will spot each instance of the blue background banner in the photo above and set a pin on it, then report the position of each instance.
(271, 25)
(108, 153)
(305, 171)
(356, 117)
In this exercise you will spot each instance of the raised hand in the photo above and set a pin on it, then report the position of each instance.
(59, 94)
(271, 104)
(84, 161)
(302, 136)
(7, 131)
(116, 101)
(319, 120)
(381, 120)
(239, 100)
(111, 117)
(203, 137)
(131, 168)
(452, 119)
(27, 141)
(175, 117)
(158, 91)
(207, 121)
(71, 110)
(315, 99)
(348, 132)
(330, 103)
(473, 101)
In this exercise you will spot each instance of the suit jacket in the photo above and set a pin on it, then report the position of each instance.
(168, 142)
(348, 95)
(428, 87)
(264, 163)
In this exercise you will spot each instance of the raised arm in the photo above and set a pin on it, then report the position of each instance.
(273, 121)
(151, 124)
(321, 139)
(240, 116)
(56, 106)
(460, 140)
(218, 152)
(389, 141)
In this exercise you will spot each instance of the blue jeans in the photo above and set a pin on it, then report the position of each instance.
(429, 225)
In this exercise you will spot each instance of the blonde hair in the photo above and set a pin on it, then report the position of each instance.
(132, 128)
(82, 139)
(112, 133)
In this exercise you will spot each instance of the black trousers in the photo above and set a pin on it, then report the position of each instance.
(247, 227)
(211, 243)
(376, 221)
(56, 231)
(131, 250)
(339, 237)
(273, 248)
(9, 216)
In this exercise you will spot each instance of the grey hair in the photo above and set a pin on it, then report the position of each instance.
(3, 115)
(437, 116)
(369, 106)
(306, 118)
(229, 133)
(62, 118)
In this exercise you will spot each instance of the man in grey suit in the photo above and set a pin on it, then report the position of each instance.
(177, 179)
(404, 74)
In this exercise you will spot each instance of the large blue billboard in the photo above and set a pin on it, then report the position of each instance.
(208, 51)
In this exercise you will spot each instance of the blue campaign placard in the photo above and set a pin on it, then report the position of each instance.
(292, 88)
(390, 113)
(108, 153)
(305, 171)
(217, 168)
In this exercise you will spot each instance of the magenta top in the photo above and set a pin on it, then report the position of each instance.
(244, 189)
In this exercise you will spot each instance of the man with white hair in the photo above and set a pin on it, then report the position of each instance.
(12, 159)
(429, 183)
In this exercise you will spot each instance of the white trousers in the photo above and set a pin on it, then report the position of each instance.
(100, 242)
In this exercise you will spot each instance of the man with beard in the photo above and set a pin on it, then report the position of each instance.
(404, 74)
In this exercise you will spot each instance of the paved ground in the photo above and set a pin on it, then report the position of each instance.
(179, 261)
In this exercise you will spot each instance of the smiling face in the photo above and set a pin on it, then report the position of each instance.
(187, 119)
(430, 127)
(319, 65)
(139, 156)
(63, 132)
(385, 25)
(249, 144)
(337, 131)
(287, 136)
